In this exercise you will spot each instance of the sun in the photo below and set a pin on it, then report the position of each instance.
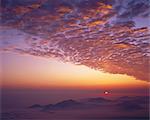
(106, 92)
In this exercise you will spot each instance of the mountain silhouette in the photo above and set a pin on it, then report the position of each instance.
(98, 100)
(66, 104)
(124, 103)
(36, 106)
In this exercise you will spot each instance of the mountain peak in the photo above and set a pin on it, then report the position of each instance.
(98, 100)
(35, 106)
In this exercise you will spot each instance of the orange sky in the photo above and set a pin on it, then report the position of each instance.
(25, 71)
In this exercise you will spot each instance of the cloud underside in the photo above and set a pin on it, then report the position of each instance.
(93, 34)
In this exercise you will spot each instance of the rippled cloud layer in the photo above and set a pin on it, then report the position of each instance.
(101, 34)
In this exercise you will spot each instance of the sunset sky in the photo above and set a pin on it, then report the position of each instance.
(80, 44)
(25, 71)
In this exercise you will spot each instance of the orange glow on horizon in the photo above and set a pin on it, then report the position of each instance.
(35, 72)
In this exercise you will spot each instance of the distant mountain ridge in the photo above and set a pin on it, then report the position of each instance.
(99, 100)
(123, 103)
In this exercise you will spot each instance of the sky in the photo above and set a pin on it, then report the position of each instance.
(30, 71)
(82, 44)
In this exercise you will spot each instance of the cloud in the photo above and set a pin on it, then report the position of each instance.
(133, 8)
(85, 33)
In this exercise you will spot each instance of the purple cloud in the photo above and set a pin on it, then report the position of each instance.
(84, 32)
